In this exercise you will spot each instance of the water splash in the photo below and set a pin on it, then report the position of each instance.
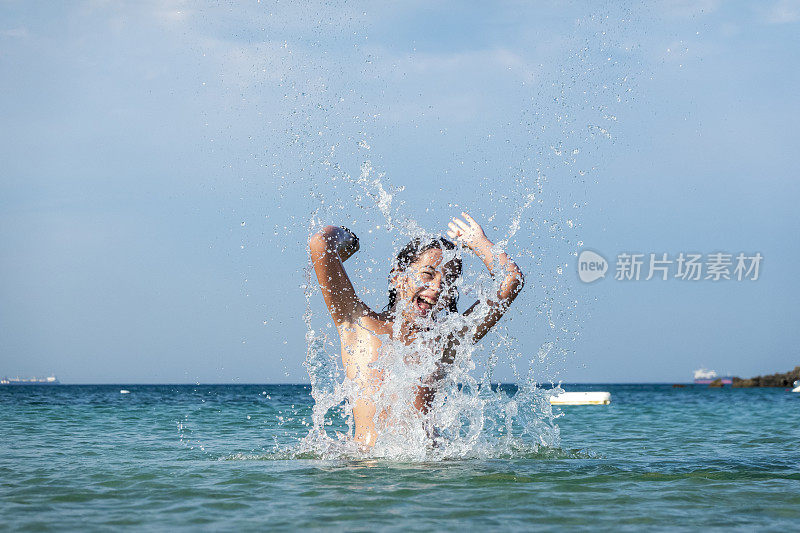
(469, 416)
(343, 137)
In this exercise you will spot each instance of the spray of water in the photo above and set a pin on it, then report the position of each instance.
(469, 416)
(342, 139)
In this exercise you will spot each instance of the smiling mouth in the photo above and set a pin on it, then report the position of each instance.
(423, 305)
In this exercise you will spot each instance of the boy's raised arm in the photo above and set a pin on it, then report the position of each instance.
(472, 235)
(329, 249)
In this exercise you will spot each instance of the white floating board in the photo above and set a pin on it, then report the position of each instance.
(581, 398)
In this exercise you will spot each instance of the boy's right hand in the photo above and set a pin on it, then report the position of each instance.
(348, 244)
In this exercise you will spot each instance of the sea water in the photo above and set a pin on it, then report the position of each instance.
(227, 457)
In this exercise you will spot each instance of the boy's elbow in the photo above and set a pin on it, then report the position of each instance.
(321, 239)
(316, 242)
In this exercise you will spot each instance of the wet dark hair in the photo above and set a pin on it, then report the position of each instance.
(411, 253)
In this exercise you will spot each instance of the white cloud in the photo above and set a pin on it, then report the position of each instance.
(783, 12)
(162, 11)
(479, 61)
(250, 64)
(689, 50)
(171, 15)
(449, 86)
(688, 8)
(18, 33)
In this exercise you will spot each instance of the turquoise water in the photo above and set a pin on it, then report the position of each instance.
(219, 457)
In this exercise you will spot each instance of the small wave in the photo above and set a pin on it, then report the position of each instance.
(356, 456)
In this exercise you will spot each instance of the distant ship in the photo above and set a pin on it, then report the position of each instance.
(704, 377)
(51, 380)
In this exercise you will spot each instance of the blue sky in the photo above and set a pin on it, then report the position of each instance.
(163, 162)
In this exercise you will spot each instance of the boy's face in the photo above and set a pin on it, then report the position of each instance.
(427, 286)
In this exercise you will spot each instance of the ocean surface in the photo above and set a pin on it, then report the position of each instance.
(220, 457)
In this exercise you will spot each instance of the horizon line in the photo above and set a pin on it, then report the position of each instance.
(309, 384)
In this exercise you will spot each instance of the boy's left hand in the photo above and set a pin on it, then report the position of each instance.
(469, 233)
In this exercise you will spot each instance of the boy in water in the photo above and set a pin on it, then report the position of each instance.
(421, 285)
